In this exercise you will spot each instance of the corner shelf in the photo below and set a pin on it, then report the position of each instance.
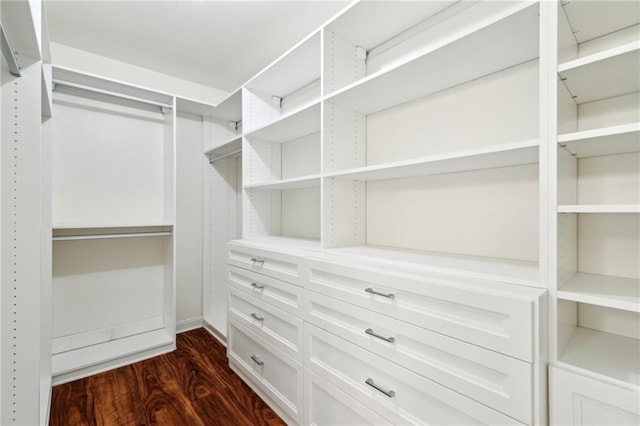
(604, 353)
(604, 141)
(602, 290)
(512, 154)
(411, 80)
(294, 125)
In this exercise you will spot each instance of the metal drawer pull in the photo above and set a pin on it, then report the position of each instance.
(371, 383)
(257, 361)
(370, 332)
(256, 317)
(258, 286)
(372, 291)
(254, 260)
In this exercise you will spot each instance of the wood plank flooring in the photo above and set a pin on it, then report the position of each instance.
(189, 387)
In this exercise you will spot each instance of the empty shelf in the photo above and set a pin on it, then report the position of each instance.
(602, 290)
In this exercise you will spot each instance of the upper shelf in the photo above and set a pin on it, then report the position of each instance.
(619, 67)
(293, 126)
(593, 19)
(230, 109)
(604, 141)
(311, 181)
(297, 68)
(599, 208)
(448, 64)
(511, 154)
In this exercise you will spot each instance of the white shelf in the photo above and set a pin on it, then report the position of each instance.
(603, 353)
(604, 141)
(69, 232)
(190, 106)
(503, 270)
(295, 69)
(226, 149)
(312, 181)
(619, 67)
(93, 227)
(593, 19)
(602, 290)
(599, 208)
(448, 64)
(230, 108)
(67, 362)
(512, 154)
(294, 125)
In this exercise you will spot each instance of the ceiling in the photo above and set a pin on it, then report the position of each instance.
(215, 43)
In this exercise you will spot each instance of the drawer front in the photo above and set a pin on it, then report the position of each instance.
(278, 265)
(279, 328)
(498, 321)
(499, 381)
(275, 373)
(324, 404)
(278, 293)
(579, 400)
(393, 392)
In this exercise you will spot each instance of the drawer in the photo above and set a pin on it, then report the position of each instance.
(499, 381)
(324, 404)
(278, 293)
(490, 315)
(393, 392)
(276, 264)
(273, 372)
(575, 399)
(279, 328)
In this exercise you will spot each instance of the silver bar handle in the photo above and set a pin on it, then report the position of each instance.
(256, 317)
(370, 332)
(256, 260)
(258, 286)
(372, 291)
(389, 393)
(257, 360)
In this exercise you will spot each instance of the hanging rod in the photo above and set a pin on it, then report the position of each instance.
(223, 156)
(106, 236)
(9, 54)
(110, 93)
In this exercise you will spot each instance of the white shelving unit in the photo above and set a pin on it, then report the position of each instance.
(597, 307)
(222, 205)
(113, 185)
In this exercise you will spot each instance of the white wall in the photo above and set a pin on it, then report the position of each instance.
(189, 220)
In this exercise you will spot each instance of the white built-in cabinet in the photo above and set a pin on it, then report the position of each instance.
(596, 325)
(393, 253)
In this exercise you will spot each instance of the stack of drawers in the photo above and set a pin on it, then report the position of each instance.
(326, 340)
(265, 325)
(390, 347)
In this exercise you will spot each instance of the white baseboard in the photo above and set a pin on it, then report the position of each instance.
(188, 324)
(215, 333)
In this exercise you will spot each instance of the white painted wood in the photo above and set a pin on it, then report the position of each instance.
(325, 404)
(614, 321)
(343, 213)
(311, 181)
(301, 157)
(416, 400)
(68, 366)
(273, 262)
(611, 40)
(604, 353)
(218, 135)
(407, 81)
(342, 63)
(301, 213)
(279, 328)
(599, 208)
(601, 290)
(279, 376)
(485, 313)
(567, 321)
(293, 126)
(614, 111)
(498, 381)
(280, 294)
(577, 400)
(567, 45)
(609, 244)
(344, 138)
(261, 212)
(593, 19)
(512, 154)
(604, 141)
(613, 179)
(619, 67)
(567, 178)
(432, 213)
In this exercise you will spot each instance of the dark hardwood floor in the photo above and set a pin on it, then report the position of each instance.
(191, 386)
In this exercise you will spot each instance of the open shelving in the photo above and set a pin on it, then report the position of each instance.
(598, 189)
(113, 185)
(223, 127)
